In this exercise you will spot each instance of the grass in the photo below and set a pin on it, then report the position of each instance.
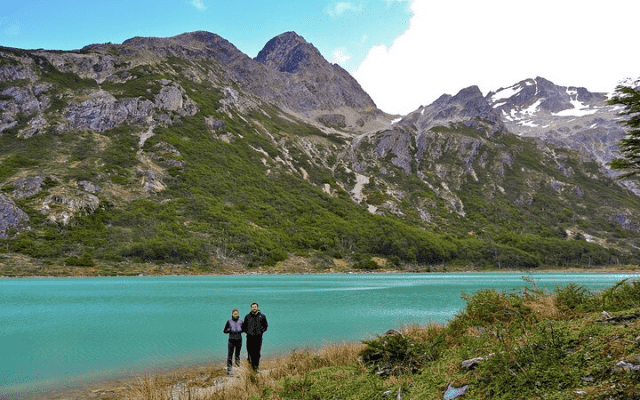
(534, 345)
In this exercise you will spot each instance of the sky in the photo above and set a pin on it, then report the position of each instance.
(404, 53)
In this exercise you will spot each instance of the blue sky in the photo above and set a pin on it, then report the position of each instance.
(405, 53)
(347, 29)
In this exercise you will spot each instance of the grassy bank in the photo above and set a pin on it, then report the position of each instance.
(531, 344)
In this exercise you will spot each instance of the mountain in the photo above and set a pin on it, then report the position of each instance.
(570, 117)
(183, 153)
(328, 84)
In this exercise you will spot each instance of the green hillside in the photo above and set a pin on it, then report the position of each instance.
(169, 192)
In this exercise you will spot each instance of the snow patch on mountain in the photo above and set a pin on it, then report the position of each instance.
(507, 93)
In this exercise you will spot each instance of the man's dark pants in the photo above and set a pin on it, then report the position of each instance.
(254, 346)
(234, 346)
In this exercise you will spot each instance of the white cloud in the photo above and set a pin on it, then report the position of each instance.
(341, 56)
(495, 43)
(198, 4)
(339, 8)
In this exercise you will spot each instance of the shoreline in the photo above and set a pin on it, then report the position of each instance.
(106, 389)
(603, 270)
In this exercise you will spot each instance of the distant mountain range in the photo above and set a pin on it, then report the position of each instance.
(185, 150)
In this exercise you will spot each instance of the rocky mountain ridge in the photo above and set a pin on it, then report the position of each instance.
(94, 132)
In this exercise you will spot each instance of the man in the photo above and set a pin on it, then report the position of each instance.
(254, 325)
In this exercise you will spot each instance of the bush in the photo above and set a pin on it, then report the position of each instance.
(82, 261)
(157, 250)
(621, 296)
(368, 265)
(396, 354)
(573, 297)
(275, 256)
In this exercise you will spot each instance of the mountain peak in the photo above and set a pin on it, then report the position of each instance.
(541, 93)
(288, 52)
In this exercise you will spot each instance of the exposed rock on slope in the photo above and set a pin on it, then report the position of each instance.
(10, 215)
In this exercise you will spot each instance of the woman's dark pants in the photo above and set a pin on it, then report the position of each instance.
(234, 346)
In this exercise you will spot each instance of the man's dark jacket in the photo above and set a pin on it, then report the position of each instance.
(255, 324)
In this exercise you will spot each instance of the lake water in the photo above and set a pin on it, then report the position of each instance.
(64, 332)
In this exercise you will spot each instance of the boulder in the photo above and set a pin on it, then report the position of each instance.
(473, 362)
(169, 98)
(89, 187)
(214, 124)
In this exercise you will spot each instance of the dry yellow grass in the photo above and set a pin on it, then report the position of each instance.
(543, 307)
(244, 383)
(422, 334)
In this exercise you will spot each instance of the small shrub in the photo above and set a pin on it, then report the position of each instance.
(275, 256)
(368, 265)
(572, 296)
(82, 261)
(397, 354)
(621, 296)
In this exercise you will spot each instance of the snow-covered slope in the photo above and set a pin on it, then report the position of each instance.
(567, 116)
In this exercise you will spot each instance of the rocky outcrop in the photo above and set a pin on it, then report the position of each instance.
(27, 187)
(62, 204)
(214, 124)
(102, 111)
(10, 215)
(16, 102)
(13, 71)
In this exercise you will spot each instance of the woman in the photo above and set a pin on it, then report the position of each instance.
(234, 329)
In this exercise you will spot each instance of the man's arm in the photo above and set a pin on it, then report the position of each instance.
(244, 324)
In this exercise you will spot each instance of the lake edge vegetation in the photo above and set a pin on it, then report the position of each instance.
(571, 343)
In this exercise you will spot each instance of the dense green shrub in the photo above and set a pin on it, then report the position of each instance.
(396, 354)
(573, 297)
(84, 260)
(368, 265)
(164, 250)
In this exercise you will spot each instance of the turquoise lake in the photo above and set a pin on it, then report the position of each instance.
(65, 332)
